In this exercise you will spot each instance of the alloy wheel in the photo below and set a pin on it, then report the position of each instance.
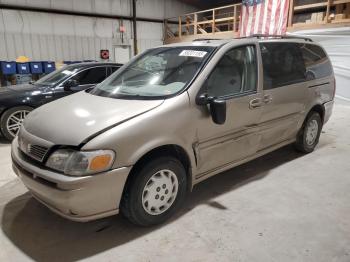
(15, 121)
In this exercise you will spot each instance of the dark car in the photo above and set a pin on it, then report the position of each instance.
(18, 100)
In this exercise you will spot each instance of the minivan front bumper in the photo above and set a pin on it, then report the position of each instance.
(75, 198)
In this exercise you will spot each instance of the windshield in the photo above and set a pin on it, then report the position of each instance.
(56, 77)
(158, 72)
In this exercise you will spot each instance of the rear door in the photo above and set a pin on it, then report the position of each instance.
(285, 92)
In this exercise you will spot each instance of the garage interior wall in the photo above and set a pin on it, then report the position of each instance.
(336, 41)
(44, 36)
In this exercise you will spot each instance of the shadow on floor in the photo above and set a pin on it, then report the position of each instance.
(4, 141)
(42, 235)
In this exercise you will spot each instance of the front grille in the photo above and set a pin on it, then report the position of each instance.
(37, 152)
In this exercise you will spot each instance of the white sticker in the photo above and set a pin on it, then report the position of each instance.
(24, 67)
(36, 66)
(193, 53)
(49, 66)
(8, 66)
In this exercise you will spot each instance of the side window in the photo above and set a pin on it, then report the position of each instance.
(282, 64)
(235, 73)
(91, 76)
(316, 62)
(111, 70)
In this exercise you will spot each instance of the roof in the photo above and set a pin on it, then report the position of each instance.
(250, 39)
(92, 64)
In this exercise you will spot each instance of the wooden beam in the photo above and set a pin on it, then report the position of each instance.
(195, 23)
(234, 18)
(180, 27)
(309, 6)
(327, 11)
(188, 25)
(290, 13)
(213, 23)
(337, 2)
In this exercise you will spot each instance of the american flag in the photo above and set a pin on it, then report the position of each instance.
(263, 17)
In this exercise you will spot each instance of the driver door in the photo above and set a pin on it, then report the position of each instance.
(235, 80)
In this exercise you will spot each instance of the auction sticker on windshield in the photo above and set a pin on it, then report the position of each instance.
(193, 53)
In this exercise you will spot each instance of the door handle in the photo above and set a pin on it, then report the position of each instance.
(267, 99)
(255, 103)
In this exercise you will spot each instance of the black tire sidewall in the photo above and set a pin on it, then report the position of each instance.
(4, 118)
(137, 214)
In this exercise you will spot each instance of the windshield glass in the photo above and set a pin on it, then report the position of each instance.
(56, 76)
(158, 72)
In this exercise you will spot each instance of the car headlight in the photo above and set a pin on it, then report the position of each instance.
(79, 163)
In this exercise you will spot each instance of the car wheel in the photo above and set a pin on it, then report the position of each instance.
(155, 192)
(310, 133)
(12, 119)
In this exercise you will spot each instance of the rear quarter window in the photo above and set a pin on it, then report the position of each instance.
(316, 62)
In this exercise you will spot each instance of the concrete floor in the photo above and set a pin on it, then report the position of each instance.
(282, 207)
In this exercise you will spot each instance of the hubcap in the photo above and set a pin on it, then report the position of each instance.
(311, 132)
(15, 121)
(160, 192)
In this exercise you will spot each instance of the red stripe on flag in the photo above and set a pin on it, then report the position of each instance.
(267, 17)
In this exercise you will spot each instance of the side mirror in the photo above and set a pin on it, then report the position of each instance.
(67, 86)
(217, 107)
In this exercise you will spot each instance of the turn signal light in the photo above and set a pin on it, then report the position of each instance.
(100, 162)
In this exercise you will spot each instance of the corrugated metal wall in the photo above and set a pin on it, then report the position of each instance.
(336, 41)
(42, 36)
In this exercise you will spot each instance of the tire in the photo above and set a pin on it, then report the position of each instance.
(9, 119)
(309, 135)
(154, 184)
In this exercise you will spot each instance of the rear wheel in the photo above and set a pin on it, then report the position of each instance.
(12, 119)
(309, 135)
(155, 192)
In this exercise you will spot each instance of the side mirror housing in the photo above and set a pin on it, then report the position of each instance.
(218, 111)
(69, 84)
(217, 107)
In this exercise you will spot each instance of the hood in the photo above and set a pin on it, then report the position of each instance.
(72, 119)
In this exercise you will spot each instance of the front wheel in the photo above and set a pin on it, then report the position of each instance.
(155, 192)
(310, 133)
(12, 119)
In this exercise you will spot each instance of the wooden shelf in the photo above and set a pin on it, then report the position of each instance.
(310, 6)
(225, 20)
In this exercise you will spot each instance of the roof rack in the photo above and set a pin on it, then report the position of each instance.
(205, 39)
(281, 36)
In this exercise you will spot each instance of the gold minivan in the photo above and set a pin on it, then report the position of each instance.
(170, 118)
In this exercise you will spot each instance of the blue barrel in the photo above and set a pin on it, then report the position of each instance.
(23, 68)
(36, 67)
(8, 67)
(48, 66)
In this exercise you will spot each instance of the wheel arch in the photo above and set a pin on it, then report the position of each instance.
(173, 150)
(6, 108)
(319, 108)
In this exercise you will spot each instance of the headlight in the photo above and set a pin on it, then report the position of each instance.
(79, 163)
